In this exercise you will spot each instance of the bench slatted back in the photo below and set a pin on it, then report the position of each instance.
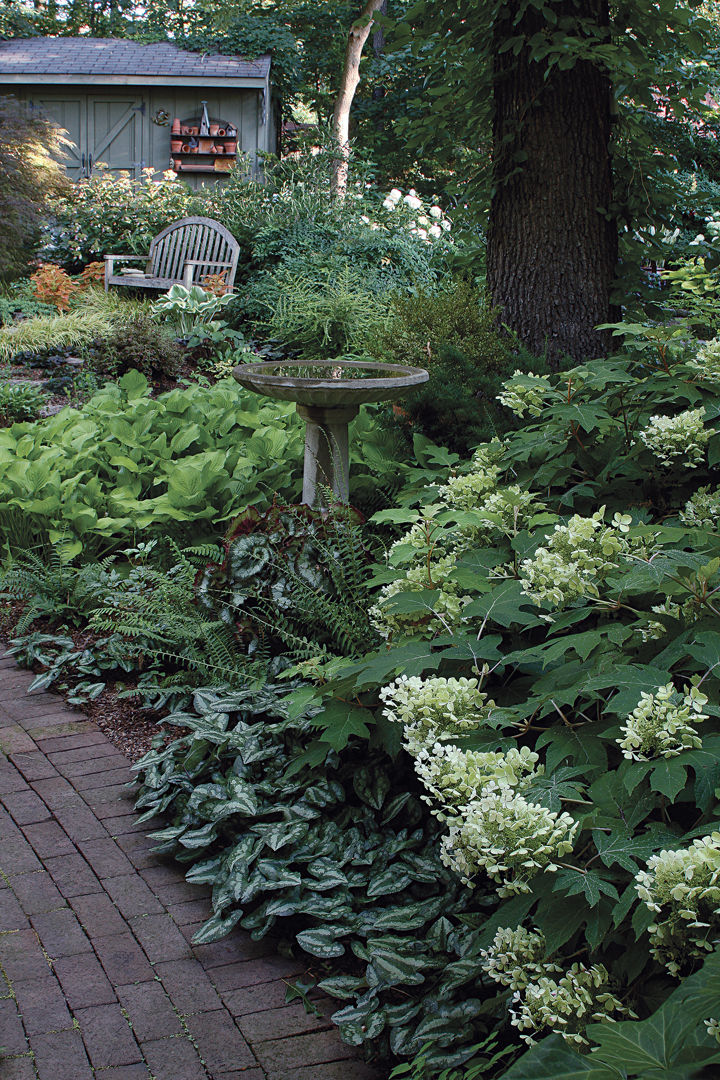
(195, 238)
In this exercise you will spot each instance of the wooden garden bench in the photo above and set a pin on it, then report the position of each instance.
(184, 253)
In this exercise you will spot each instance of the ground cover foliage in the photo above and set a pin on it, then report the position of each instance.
(543, 722)
(129, 465)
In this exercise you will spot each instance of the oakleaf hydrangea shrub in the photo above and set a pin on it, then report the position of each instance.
(507, 837)
(702, 511)
(588, 575)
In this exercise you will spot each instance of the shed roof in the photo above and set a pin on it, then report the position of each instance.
(96, 60)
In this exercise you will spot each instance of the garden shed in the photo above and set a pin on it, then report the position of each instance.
(134, 106)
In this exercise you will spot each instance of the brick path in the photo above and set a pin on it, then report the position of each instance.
(97, 974)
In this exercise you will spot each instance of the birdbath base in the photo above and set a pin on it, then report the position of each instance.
(327, 456)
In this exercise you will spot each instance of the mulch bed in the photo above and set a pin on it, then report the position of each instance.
(128, 726)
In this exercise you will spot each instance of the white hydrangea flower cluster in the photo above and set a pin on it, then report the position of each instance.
(516, 957)
(526, 392)
(430, 224)
(567, 1005)
(688, 612)
(682, 889)
(431, 710)
(702, 511)
(508, 837)
(707, 361)
(576, 559)
(672, 437)
(443, 614)
(660, 724)
(492, 827)
(456, 777)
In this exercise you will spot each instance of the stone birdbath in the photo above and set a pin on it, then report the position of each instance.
(328, 394)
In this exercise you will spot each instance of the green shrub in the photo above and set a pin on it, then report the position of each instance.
(29, 177)
(453, 333)
(17, 306)
(317, 310)
(20, 401)
(137, 343)
(110, 213)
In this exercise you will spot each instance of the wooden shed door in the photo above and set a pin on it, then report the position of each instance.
(69, 113)
(115, 133)
(107, 129)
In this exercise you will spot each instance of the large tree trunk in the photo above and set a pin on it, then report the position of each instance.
(551, 251)
(359, 33)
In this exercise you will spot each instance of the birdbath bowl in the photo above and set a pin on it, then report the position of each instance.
(328, 396)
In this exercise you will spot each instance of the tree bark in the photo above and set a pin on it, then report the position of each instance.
(552, 252)
(358, 35)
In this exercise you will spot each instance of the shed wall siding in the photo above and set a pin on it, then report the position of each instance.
(135, 141)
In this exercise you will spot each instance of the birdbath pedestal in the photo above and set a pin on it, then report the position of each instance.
(328, 395)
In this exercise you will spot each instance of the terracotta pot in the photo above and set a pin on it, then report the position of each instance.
(185, 130)
(176, 145)
(221, 131)
(230, 146)
(213, 129)
(185, 147)
(178, 165)
(194, 130)
(175, 129)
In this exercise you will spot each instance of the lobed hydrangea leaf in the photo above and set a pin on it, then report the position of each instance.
(669, 777)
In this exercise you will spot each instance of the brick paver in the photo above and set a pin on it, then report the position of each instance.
(99, 979)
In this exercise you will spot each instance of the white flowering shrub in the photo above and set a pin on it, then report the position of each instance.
(707, 361)
(702, 511)
(441, 613)
(567, 1005)
(597, 636)
(428, 223)
(575, 560)
(508, 838)
(681, 438)
(456, 777)
(466, 490)
(434, 709)
(682, 890)
(516, 957)
(526, 393)
(660, 725)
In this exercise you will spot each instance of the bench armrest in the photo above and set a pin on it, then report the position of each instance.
(127, 258)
